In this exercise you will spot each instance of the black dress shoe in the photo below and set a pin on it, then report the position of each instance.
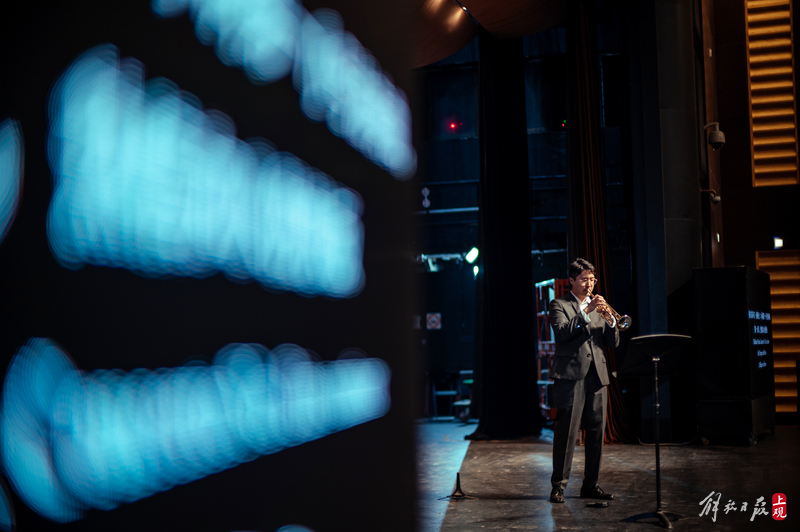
(557, 495)
(596, 493)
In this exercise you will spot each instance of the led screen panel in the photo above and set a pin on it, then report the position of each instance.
(207, 283)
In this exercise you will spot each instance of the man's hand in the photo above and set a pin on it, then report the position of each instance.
(597, 301)
(599, 304)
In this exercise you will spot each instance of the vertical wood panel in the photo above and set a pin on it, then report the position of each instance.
(770, 67)
(783, 268)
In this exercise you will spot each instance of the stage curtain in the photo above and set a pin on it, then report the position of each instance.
(506, 361)
(586, 221)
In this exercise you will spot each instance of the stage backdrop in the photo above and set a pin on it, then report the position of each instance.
(205, 266)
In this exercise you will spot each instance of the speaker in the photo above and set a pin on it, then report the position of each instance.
(735, 374)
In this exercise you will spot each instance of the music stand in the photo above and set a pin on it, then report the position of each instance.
(646, 357)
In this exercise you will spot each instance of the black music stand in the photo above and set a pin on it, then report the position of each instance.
(646, 357)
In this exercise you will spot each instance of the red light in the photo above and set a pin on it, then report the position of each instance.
(452, 125)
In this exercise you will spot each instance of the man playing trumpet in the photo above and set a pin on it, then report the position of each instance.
(582, 324)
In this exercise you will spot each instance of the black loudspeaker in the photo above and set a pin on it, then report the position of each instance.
(735, 372)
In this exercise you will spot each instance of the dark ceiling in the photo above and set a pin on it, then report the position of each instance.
(442, 27)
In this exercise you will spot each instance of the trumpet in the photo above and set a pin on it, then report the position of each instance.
(609, 314)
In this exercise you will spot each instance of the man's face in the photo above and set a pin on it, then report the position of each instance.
(583, 284)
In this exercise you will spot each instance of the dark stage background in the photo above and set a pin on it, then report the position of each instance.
(112, 318)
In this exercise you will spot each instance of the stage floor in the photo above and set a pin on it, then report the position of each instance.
(511, 480)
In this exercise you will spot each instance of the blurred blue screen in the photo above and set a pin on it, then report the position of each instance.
(144, 179)
(339, 80)
(73, 441)
(11, 162)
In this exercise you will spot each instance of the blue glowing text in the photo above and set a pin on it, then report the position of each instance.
(11, 161)
(339, 80)
(72, 441)
(145, 180)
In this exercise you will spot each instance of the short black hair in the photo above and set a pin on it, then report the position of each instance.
(579, 265)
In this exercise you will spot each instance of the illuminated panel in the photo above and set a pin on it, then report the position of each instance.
(146, 180)
(773, 113)
(783, 267)
(11, 159)
(340, 81)
(258, 35)
(73, 441)
(7, 519)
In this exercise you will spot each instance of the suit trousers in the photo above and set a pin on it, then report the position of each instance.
(579, 401)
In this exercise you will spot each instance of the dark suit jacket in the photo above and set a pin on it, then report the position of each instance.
(576, 346)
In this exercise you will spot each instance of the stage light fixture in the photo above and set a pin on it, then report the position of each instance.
(778, 242)
(472, 255)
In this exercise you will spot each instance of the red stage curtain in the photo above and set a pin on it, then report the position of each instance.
(586, 218)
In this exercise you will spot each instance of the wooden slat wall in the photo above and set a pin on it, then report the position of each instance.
(770, 64)
(783, 268)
